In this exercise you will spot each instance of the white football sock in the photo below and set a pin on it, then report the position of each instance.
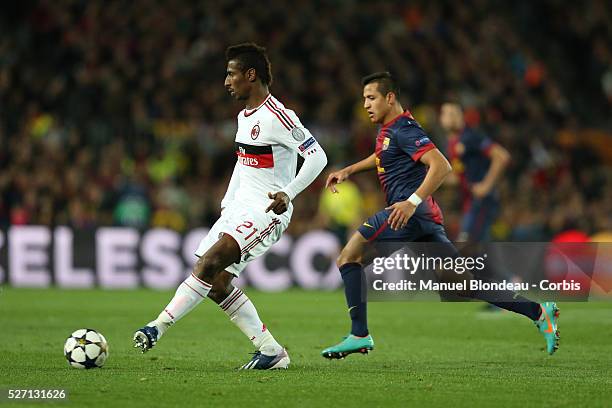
(189, 294)
(241, 311)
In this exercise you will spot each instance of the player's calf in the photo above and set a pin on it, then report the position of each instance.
(190, 293)
(221, 287)
(241, 311)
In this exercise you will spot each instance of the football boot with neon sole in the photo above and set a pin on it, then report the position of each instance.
(547, 325)
(351, 344)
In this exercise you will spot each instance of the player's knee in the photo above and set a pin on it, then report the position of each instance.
(208, 266)
(347, 257)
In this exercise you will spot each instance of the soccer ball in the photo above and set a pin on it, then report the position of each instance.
(86, 348)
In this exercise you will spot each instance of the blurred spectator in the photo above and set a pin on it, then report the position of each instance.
(115, 112)
(342, 213)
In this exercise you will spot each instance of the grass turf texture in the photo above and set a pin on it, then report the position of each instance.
(427, 354)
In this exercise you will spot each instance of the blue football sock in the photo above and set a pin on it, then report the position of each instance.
(511, 301)
(354, 289)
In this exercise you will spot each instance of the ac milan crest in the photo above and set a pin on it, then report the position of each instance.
(255, 132)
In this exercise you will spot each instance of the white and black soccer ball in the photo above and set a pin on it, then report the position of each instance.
(86, 348)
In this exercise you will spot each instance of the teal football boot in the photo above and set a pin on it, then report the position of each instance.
(351, 344)
(547, 324)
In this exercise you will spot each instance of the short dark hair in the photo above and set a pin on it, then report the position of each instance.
(251, 55)
(386, 82)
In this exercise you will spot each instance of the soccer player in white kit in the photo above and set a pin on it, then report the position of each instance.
(255, 210)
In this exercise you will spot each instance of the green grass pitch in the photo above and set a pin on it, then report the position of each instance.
(427, 354)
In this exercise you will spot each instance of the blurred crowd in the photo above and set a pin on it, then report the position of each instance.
(114, 113)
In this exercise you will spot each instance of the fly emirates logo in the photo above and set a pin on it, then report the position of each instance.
(247, 159)
(260, 161)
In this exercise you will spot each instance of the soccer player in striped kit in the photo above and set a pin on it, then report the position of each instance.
(410, 169)
(255, 211)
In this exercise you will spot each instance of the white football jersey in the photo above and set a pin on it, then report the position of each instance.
(268, 140)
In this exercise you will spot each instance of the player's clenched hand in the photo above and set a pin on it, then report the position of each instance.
(400, 214)
(336, 177)
(280, 203)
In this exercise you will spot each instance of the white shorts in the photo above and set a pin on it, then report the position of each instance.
(254, 230)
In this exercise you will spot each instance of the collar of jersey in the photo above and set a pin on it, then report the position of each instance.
(392, 121)
(252, 111)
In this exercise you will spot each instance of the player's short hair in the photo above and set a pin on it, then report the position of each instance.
(385, 82)
(251, 55)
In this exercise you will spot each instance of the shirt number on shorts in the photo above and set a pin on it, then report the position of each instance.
(248, 225)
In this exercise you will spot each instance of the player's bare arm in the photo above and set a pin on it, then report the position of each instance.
(339, 176)
(439, 169)
(499, 161)
(452, 180)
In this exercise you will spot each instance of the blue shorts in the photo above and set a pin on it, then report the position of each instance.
(417, 229)
(478, 219)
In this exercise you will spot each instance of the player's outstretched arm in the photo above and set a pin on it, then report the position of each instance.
(439, 168)
(314, 163)
(339, 176)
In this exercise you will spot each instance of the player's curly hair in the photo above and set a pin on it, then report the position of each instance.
(251, 55)
(385, 81)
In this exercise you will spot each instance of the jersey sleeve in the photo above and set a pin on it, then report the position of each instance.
(413, 141)
(296, 137)
(233, 186)
(293, 135)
